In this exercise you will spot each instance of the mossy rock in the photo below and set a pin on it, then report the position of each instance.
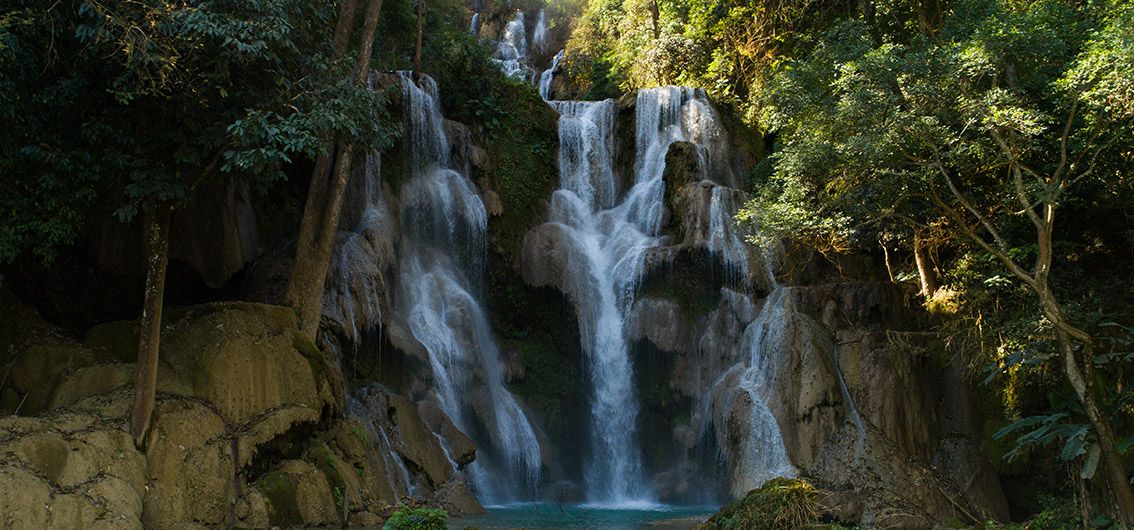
(117, 340)
(298, 495)
(780, 503)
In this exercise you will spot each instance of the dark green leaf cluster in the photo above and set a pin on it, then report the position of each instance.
(112, 103)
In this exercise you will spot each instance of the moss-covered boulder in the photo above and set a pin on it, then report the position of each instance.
(780, 503)
(298, 494)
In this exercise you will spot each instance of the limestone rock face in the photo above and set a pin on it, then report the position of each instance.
(217, 237)
(35, 372)
(245, 359)
(545, 256)
(234, 379)
(190, 465)
(461, 448)
(72, 470)
(418, 450)
(660, 321)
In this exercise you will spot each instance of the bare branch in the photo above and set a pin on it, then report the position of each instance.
(965, 202)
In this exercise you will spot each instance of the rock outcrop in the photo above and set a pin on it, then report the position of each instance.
(246, 433)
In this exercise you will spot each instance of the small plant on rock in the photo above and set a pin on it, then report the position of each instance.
(408, 518)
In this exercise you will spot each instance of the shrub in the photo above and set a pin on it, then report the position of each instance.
(417, 519)
(779, 503)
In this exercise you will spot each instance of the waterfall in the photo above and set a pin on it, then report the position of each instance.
(547, 75)
(474, 25)
(762, 455)
(512, 50)
(440, 266)
(724, 242)
(606, 257)
(539, 33)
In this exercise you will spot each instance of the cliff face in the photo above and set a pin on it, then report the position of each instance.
(249, 431)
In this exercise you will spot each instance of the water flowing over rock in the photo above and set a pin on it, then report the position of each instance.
(512, 49)
(539, 33)
(604, 251)
(548, 75)
(440, 270)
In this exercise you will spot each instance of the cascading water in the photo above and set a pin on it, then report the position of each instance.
(441, 261)
(724, 242)
(606, 257)
(539, 33)
(762, 454)
(546, 77)
(512, 50)
(474, 25)
(607, 242)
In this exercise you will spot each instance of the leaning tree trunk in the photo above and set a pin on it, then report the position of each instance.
(149, 336)
(317, 228)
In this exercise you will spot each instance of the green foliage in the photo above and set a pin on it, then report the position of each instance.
(1056, 514)
(723, 46)
(956, 133)
(417, 519)
(114, 103)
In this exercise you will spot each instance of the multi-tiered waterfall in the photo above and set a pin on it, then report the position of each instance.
(607, 232)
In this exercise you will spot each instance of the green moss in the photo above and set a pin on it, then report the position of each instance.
(326, 462)
(278, 488)
(690, 281)
(417, 519)
(522, 143)
(539, 326)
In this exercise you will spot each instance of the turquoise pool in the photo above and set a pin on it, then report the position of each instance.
(534, 516)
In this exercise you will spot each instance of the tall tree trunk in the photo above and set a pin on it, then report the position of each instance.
(305, 285)
(655, 14)
(924, 267)
(149, 336)
(420, 31)
(321, 211)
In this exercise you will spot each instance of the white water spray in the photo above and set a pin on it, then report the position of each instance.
(441, 260)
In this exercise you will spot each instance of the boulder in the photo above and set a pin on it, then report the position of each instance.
(190, 466)
(456, 497)
(244, 359)
(298, 495)
(99, 379)
(660, 321)
(370, 452)
(461, 448)
(545, 254)
(416, 442)
(35, 372)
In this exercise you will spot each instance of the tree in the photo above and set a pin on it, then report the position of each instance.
(989, 126)
(420, 32)
(321, 211)
(144, 100)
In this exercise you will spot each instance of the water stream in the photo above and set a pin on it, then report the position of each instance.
(440, 266)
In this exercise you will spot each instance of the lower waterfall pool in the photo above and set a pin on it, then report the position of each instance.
(532, 516)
